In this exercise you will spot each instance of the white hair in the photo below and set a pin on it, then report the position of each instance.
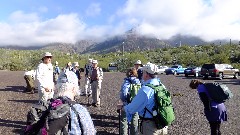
(66, 89)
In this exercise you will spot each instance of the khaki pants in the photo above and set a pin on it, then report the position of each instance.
(149, 128)
(96, 87)
(124, 124)
(30, 83)
(43, 95)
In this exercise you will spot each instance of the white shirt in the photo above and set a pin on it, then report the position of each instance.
(44, 75)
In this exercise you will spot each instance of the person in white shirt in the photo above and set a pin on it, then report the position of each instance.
(44, 76)
(29, 76)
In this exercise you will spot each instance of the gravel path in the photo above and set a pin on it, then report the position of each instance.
(188, 108)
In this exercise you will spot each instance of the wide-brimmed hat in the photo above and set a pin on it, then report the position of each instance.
(90, 60)
(150, 68)
(138, 62)
(95, 62)
(75, 64)
(46, 54)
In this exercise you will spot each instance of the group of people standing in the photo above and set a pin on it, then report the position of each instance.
(47, 76)
(131, 112)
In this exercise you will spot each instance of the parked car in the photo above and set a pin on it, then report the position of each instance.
(175, 70)
(194, 71)
(161, 69)
(219, 71)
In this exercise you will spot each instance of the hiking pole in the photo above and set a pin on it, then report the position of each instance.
(119, 119)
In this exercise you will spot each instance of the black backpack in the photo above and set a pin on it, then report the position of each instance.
(50, 118)
(218, 92)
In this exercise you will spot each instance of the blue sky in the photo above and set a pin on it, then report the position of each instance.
(38, 22)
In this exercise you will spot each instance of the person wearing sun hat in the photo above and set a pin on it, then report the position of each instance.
(44, 77)
(96, 76)
(145, 100)
(87, 88)
(138, 65)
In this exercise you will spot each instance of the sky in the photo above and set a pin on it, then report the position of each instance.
(38, 22)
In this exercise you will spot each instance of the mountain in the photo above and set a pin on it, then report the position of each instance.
(129, 41)
(179, 40)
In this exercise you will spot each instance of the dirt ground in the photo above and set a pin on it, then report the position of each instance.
(190, 119)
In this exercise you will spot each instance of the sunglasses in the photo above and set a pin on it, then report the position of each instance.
(48, 57)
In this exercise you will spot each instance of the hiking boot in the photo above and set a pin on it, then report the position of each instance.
(30, 92)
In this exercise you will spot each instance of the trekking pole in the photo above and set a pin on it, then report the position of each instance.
(119, 120)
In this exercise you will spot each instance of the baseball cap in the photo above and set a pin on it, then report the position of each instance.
(150, 68)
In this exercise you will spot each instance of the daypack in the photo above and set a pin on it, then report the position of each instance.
(133, 90)
(163, 112)
(218, 92)
(49, 118)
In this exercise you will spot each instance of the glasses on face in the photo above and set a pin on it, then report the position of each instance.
(49, 57)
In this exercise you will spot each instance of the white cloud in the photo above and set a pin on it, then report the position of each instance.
(93, 10)
(214, 19)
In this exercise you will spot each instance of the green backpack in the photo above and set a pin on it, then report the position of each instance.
(163, 112)
(133, 90)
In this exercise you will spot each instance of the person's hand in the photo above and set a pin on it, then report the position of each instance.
(47, 89)
(119, 106)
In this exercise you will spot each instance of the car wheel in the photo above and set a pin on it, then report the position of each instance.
(236, 75)
(186, 75)
(205, 77)
(220, 76)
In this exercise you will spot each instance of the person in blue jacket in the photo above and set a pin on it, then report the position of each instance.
(131, 78)
(145, 99)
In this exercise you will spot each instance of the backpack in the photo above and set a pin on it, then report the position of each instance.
(133, 90)
(163, 112)
(49, 118)
(218, 92)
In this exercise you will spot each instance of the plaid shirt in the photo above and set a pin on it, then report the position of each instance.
(87, 126)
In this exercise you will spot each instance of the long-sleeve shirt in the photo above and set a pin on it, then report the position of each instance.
(126, 87)
(144, 98)
(44, 75)
(86, 122)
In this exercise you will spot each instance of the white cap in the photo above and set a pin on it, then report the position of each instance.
(90, 60)
(150, 68)
(138, 62)
(47, 54)
(95, 61)
(75, 64)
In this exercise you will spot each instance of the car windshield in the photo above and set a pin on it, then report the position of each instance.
(208, 66)
(189, 68)
(174, 67)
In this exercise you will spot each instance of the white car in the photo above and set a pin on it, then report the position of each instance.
(161, 69)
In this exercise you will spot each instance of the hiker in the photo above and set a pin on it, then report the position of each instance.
(215, 112)
(88, 68)
(138, 65)
(131, 78)
(144, 100)
(68, 67)
(96, 76)
(56, 73)
(62, 115)
(77, 72)
(44, 76)
(29, 77)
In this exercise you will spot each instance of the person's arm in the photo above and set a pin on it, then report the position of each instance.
(205, 100)
(138, 103)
